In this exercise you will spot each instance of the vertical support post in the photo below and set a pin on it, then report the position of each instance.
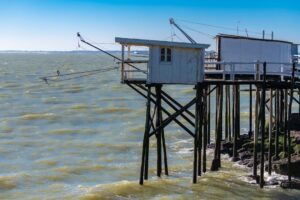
(122, 65)
(229, 115)
(196, 133)
(277, 117)
(235, 119)
(165, 152)
(238, 126)
(256, 124)
(270, 132)
(289, 122)
(226, 113)
(146, 138)
(208, 116)
(200, 127)
(262, 116)
(250, 111)
(205, 132)
(159, 133)
(216, 163)
(285, 120)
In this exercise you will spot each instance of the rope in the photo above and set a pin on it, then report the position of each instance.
(206, 34)
(220, 27)
(48, 79)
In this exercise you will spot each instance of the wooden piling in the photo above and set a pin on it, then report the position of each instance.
(250, 111)
(216, 163)
(236, 122)
(270, 132)
(159, 133)
(200, 128)
(197, 110)
(227, 112)
(146, 136)
(285, 120)
(277, 118)
(208, 115)
(255, 139)
(289, 121)
(205, 129)
(262, 119)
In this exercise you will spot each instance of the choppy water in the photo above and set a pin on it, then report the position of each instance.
(82, 139)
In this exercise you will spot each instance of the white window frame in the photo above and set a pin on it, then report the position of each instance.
(165, 56)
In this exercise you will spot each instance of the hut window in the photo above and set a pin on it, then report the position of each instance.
(165, 55)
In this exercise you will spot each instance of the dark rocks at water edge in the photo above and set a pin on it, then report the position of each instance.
(279, 164)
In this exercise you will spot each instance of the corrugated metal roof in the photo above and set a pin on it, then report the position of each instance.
(143, 42)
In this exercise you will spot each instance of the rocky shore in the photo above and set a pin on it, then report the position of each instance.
(245, 148)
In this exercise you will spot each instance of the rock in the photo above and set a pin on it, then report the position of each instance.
(245, 155)
(250, 164)
(281, 166)
(244, 162)
(290, 184)
(234, 159)
(211, 146)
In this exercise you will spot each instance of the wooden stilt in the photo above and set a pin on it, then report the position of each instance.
(200, 126)
(226, 112)
(196, 134)
(238, 118)
(250, 111)
(262, 116)
(208, 116)
(146, 135)
(216, 163)
(164, 144)
(289, 122)
(205, 130)
(270, 132)
(285, 120)
(229, 115)
(255, 148)
(277, 118)
(235, 119)
(159, 132)
(165, 153)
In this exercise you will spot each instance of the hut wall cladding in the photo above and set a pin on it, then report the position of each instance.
(186, 67)
(252, 50)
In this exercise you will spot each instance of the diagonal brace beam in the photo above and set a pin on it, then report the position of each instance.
(164, 110)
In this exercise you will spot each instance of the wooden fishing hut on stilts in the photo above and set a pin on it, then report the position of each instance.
(265, 66)
(169, 63)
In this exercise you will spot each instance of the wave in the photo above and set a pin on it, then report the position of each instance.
(79, 169)
(113, 110)
(40, 116)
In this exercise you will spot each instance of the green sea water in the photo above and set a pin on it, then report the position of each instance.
(81, 139)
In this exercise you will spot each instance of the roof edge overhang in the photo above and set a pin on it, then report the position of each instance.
(144, 42)
(249, 38)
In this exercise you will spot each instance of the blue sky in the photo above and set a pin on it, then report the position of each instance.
(52, 24)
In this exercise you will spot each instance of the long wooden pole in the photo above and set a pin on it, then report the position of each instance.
(250, 111)
(256, 124)
(146, 135)
(270, 132)
(289, 122)
(263, 107)
(159, 132)
(196, 134)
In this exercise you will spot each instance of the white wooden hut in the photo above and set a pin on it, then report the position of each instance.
(239, 49)
(169, 62)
